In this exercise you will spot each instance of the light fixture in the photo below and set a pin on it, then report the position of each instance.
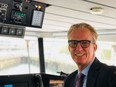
(96, 10)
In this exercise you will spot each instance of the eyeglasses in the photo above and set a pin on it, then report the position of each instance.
(83, 43)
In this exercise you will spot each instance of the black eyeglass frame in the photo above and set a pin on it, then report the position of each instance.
(75, 42)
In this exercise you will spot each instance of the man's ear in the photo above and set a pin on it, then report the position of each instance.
(95, 47)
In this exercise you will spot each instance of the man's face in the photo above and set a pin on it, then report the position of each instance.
(80, 54)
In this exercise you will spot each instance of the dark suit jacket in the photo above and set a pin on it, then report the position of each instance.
(99, 75)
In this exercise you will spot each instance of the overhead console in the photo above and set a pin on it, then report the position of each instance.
(22, 12)
(15, 15)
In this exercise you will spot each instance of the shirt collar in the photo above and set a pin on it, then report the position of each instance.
(86, 69)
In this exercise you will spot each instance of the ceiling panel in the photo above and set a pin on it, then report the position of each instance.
(61, 14)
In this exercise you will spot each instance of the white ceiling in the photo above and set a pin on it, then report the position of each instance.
(61, 14)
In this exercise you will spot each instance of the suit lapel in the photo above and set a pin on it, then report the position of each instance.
(93, 73)
(75, 78)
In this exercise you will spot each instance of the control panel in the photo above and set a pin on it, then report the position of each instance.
(22, 12)
(12, 30)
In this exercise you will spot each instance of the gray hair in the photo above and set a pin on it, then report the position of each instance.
(83, 25)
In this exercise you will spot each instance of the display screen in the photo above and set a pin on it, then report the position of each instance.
(8, 85)
(15, 85)
(37, 18)
(19, 14)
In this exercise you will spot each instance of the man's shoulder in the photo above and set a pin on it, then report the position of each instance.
(70, 80)
(99, 64)
(110, 69)
(101, 67)
(71, 76)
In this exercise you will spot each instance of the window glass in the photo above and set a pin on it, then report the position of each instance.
(57, 57)
(18, 56)
(106, 52)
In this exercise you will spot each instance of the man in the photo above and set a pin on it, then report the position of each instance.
(82, 39)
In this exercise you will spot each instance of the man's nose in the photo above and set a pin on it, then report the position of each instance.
(79, 47)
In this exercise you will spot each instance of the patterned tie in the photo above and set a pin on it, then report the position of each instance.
(79, 82)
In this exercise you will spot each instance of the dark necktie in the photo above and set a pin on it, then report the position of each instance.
(79, 81)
